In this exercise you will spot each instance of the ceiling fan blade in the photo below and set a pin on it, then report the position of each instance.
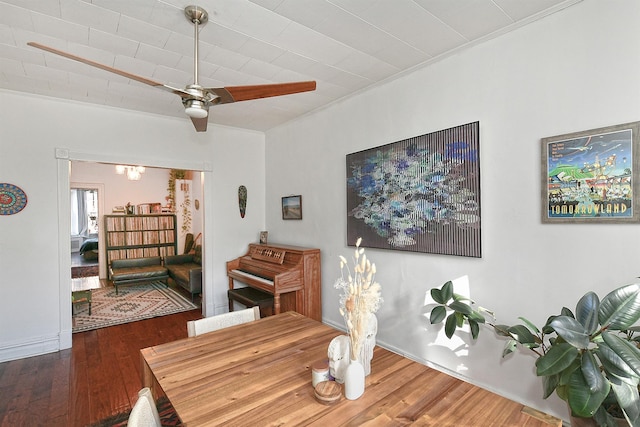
(200, 124)
(245, 93)
(122, 73)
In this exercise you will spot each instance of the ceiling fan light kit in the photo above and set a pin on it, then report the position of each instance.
(195, 109)
(195, 98)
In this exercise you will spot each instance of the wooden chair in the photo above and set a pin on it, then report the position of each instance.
(213, 323)
(144, 412)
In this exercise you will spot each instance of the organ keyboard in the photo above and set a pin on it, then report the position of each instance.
(290, 273)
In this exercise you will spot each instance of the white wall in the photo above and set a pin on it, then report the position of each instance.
(34, 253)
(575, 70)
(151, 188)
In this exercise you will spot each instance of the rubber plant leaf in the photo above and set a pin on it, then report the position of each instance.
(549, 384)
(591, 372)
(502, 330)
(546, 329)
(522, 334)
(583, 401)
(603, 418)
(559, 357)
(529, 325)
(571, 331)
(628, 352)
(620, 308)
(587, 312)
(509, 347)
(627, 397)
(438, 314)
(613, 364)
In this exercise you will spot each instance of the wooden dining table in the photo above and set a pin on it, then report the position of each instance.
(259, 374)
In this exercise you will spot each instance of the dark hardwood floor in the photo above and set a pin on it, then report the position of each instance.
(97, 378)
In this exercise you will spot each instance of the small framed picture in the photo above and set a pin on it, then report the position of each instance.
(263, 237)
(292, 207)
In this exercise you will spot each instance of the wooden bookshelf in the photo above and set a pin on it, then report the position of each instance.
(138, 236)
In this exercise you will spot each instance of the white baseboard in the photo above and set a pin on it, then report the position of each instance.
(33, 347)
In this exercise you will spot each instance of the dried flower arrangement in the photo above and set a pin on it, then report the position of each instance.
(360, 296)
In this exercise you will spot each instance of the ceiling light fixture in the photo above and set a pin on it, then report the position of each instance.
(134, 173)
(195, 109)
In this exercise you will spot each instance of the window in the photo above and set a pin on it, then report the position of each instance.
(84, 212)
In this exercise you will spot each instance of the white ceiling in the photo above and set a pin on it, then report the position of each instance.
(344, 45)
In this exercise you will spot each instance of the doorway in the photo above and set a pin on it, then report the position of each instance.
(84, 208)
(65, 158)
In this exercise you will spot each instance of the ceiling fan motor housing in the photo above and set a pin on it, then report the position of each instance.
(196, 14)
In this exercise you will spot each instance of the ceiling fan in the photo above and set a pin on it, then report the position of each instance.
(195, 98)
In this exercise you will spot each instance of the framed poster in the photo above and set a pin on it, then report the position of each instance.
(591, 177)
(421, 194)
(292, 207)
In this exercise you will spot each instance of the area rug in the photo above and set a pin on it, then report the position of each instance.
(133, 302)
(84, 271)
(168, 416)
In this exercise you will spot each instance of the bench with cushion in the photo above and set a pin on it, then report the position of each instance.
(186, 270)
(137, 270)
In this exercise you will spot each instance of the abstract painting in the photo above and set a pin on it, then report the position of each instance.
(421, 194)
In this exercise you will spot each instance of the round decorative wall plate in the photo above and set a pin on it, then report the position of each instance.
(12, 199)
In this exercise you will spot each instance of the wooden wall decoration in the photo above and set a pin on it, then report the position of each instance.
(421, 194)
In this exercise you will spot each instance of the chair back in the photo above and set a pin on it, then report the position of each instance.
(144, 412)
(213, 323)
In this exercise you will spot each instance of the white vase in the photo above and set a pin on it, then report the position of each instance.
(368, 343)
(354, 380)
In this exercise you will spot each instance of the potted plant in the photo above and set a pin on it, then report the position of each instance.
(590, 358)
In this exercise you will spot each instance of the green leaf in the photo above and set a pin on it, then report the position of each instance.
(571, 331)
(438, 314)
(627, 397)
(460, 318)
(447, 290)
(625, 350)
(620, 308)
(437, 296)
(565, 375)
(591, 372)
(603, 418)
(475, 329)
(509, 347)
(587, 312)
(584, 401)
(522, 334)
(612, 364)
(546, 329)
(502, 330)
(529, 325)
(450, 325)
(477, 317)
(461, 307)
(566, 312)
(559, 357)
(549, 384)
